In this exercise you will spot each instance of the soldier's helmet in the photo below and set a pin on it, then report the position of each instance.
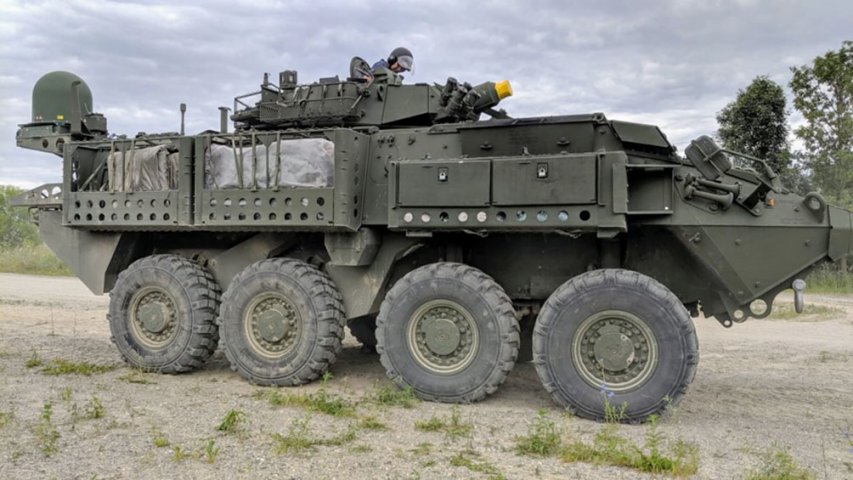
(403, 56)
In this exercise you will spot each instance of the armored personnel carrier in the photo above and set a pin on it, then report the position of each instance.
(457, 245)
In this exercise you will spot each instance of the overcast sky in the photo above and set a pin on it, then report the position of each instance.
(674, 63)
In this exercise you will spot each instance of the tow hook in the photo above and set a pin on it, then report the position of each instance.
(799, 286)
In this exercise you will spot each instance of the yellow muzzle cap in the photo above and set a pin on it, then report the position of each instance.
(503, 89)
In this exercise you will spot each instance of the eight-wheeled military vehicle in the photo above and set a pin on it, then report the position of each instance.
(454, 244)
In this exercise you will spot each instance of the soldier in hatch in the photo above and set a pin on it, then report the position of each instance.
(400, 60)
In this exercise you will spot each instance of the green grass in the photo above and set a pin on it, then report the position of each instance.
(390, 395)
(160, 441)
(138, 377)
(5, 419)
(33, 260)
(370, 422)
(94, 409)
(779, 465)
(60, 366)
(471, 460)
(434, 424)
(786, 311)
(542, 439)
(361, 449)
(66, 394)
(829, 280)
(210, 451)
(179, 454)
(231, 422)
(655, 455)
(321, 402)
(45, 431)
(34, 361)
(299, 438)
(452, 426)
(422, 449)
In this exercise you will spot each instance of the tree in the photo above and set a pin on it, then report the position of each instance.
(823, 94)
(15, 226)
(756, 123)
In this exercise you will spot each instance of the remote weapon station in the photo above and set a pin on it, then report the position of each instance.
(455, 245)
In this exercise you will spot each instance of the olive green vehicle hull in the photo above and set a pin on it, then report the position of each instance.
(601, 205)
(583, 242)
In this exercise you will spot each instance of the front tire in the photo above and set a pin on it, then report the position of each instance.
(162, 314)
(449, 332)
(615, 337)
(281, 322)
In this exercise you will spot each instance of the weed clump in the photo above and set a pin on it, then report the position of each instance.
(232, 421)
(34, 361)
(321, 401)
(94, 409)
(542, 439)
(391, 396)
(471, 460)
(210, 451)
(59, 366)
(299, 438)
(653, 456)
(5, 419)
(453, 426)
(779, 465)
(137, 376)
(178, 453)
(371, 423)
(46, 432)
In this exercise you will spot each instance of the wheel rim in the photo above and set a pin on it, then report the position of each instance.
(153, 317)
(615, 350)
(272, 325)
(443, 337)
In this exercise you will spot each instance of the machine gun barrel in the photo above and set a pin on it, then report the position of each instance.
(491, 93)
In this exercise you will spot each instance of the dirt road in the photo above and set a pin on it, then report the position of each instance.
(764, 386)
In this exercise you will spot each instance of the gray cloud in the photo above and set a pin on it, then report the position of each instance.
(674, 64)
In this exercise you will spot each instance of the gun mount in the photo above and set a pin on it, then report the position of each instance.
(380, 100)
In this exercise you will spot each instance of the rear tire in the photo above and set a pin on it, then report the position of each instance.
(449, 332)
(615, 337)
(281, 322)
(162, 314)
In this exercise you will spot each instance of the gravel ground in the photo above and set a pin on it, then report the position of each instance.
(763, 386)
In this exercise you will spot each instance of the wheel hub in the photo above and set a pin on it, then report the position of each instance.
(153, 316)
(272, 324)
(443, 337)
(615, 350)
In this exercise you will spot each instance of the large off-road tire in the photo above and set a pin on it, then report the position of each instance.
(281, 322)
(615, 337)
(162, 314)
(449, 332)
